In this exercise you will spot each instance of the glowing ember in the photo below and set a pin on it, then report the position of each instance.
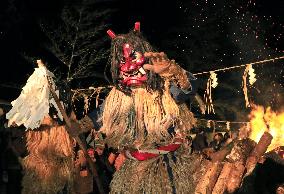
(270, 121)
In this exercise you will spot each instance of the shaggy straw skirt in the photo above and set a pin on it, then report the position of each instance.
(171, 173)
(48, 167)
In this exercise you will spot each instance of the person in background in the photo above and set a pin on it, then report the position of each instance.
(199, 143)
(226, 139)
(217, 141)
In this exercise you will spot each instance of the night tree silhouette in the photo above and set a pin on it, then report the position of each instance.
(77, 39)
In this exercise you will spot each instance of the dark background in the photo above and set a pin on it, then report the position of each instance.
(199, 35)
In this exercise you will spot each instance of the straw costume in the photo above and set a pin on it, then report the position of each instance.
(145, 118)
(49, 166)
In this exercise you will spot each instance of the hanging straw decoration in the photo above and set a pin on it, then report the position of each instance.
(211, 83)
(214, 127)
(248, 71)
(97, 97)
(86, 104)
(208, 124)
(207, 97)
(228, 126)
(245, 90)
(88, 95)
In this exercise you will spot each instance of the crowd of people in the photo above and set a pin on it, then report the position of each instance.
(207, 140)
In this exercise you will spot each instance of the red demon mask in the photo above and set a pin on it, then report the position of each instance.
(131, 70)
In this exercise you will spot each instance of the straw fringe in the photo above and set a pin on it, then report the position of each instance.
(49, 166)
(244, 83)
(151, 176)
(137, 120)
(141, 120)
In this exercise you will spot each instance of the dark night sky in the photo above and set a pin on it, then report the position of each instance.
(201, 35)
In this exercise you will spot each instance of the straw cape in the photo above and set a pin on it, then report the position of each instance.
(141, 121)
(177, 172)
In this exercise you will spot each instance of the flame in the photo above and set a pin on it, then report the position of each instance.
(267, 120)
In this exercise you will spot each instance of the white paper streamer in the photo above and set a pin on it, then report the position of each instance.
(251, 74)
(213, 77)
(33, 104)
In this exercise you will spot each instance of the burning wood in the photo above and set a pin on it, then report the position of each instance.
(236, 176)
(221, 183)
(232, 172)
(267, 121)
(244, 156)
(240, 151)
(207, 182)
(258, 151)
(267, 128)
(220, 155)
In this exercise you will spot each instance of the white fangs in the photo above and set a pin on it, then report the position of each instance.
(142, 71)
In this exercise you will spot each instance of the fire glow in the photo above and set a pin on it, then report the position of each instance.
(262, 120)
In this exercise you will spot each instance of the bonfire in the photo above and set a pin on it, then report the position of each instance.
(230, 166)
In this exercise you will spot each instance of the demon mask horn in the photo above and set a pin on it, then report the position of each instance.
(111, 34)
(137, 26)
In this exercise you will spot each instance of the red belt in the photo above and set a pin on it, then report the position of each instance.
(142, 155)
